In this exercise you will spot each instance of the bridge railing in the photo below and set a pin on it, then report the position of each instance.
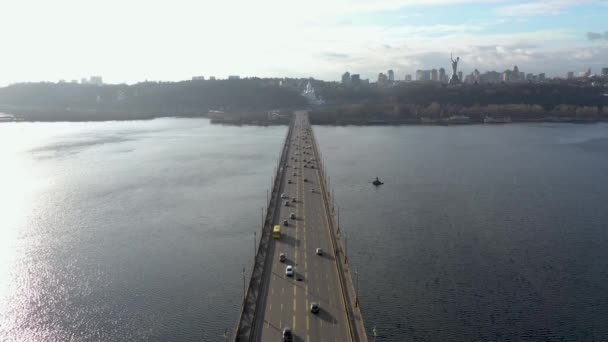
(245, 330)
(355, 320)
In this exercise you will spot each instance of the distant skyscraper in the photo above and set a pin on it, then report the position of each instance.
(529, 77)
(391, 76)
(442, 76)
(198, 78)
(408, 78)
(211, 78)
(515, 74)
(460, 75)
(234, 77)
(96, 80)
(355, 79)
(604, 71)
(476, 76)
(434, 75)
(382, 78)
(346, 78)
(541, 77)
(418, 75)
(522, 76)
(570, 75)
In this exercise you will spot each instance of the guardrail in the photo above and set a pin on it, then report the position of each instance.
(358, 335)
(245, 330)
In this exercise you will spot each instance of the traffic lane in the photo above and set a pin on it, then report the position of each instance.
(279, 308)
(333, 310)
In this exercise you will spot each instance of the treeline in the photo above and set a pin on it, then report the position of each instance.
(409, 102)
(68, 101)
(547, 95)
(361, 114)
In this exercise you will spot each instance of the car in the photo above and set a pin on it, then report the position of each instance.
(287, 203)
(289, 181)
(283, 195)
(312, 190)
(295, 174)
(305, 165)
(286, 223)
(314, 307)
(287, 335)
(282, 257)
(293, 200)
(306, 179)
(292, 216)
(319, 251)
(312, 166)
(289, 271)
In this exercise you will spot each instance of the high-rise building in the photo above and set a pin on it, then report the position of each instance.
(391, 76)
(355, 79)
(529, 77)
(491, 77)
(442, 76)
(460, 75)
(570, 75)
(234, 77)
(382, 78)
(522, 76)
(476, 76)
(541, 77)
(434, 75)
(198, 78)
(96, 80)
(211, 78)
(418, 75)
(408, 78)
(346, 78)
(515, 74)
(604, 71)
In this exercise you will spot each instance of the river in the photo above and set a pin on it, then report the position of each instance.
(139, 230)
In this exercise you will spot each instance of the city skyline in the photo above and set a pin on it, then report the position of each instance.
(137, 41)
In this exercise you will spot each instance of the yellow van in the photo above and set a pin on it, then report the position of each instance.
(276, 232)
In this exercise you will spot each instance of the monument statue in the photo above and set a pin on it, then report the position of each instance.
(454, 79)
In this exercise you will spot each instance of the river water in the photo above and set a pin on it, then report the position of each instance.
(480, 233)
(114, 231)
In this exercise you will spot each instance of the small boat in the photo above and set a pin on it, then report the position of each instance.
(377, 182)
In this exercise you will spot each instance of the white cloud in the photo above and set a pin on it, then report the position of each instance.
(540, 8)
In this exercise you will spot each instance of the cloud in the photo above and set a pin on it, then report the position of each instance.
(334, 56)
(540, 8)
(597, 36)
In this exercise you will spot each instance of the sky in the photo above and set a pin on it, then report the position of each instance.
(128, 41)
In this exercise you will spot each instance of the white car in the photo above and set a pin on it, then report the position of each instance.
(283, 195)
(319, 251)
(289, 271)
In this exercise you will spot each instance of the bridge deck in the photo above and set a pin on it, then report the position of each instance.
(284, 301)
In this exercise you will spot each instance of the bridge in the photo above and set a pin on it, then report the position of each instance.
(274, 300)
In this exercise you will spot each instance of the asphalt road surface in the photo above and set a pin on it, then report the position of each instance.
(288, 299)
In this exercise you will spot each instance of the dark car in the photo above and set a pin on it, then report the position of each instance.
(287, 335)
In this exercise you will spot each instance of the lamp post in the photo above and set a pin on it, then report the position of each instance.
(345, 247)
(356, 288)
(338, 219)
(243, 284)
